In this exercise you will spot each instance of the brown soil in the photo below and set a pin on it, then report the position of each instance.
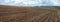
(27, 14)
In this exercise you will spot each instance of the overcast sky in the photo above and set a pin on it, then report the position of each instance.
(31, 2)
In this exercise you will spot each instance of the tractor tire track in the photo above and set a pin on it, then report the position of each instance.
(48, 16)
(38, 17)
(43, 18)
(47, 19)
(56, 16)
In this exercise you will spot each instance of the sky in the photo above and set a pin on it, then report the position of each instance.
(31, 2)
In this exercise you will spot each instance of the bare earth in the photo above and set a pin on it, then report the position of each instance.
(27, 14)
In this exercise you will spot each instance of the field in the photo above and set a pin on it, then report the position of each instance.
(28, 14)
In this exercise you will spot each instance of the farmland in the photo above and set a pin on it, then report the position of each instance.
(28, 14)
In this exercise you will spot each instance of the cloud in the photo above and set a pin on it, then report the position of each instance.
(31, 2)
(55, 2)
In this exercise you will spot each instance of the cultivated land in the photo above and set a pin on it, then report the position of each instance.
(28, 14)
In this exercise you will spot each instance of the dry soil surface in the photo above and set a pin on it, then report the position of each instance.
(27, 14)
